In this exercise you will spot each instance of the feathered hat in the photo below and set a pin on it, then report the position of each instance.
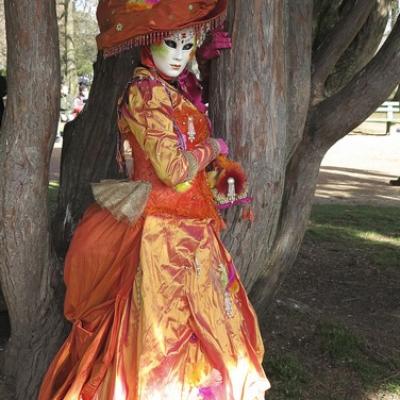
(128, 23)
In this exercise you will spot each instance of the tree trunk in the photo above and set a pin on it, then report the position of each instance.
(396, 96)
(264, 127)
(265, 109)
(362, 49)
(26, 139)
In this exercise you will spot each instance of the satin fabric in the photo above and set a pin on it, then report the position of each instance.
(123, 24)
(153, 316)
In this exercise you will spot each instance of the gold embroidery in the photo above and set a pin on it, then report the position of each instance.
(193, 165)
(215, 146)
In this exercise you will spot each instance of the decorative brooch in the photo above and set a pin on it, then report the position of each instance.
(228, 183)
(230, 284)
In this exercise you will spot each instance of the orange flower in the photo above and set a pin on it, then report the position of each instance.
(230, 169)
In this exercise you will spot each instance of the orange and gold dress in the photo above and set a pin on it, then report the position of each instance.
(152, 315)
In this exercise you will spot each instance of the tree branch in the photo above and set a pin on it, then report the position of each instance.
(338, 115)
(298, 64)
(362, 49)
(335, 44)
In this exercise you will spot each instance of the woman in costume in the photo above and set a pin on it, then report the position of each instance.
(157, 307)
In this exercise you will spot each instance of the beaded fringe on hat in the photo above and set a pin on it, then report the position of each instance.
(201, 28)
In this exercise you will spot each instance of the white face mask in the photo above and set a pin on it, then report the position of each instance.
(174, 52)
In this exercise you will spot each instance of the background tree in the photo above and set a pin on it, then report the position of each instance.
(307, 64)
(85, 31)
(3, 46)
(66, 12)
(26, 140)
(77, 31)
(394, 13)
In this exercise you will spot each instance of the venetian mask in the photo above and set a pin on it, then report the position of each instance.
(174, 52)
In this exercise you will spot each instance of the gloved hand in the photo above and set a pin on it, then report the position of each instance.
(212, 47)
(223, 147)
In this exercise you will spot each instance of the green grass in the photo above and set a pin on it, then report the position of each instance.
(377, 224)
(338, 342)
(293, 374)
(346, 349)
(52, 196)
(332, 346)
(393, 388)
(375, 230)
(288, 376)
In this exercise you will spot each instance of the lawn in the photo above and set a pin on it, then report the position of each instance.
(333, 330)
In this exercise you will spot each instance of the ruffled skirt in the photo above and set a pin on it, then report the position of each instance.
(158, 313)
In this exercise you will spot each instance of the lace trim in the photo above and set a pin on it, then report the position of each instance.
(193, 165)
(215, 146)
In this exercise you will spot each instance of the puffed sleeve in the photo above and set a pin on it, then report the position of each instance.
(148, 116)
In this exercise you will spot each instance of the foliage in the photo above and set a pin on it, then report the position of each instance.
(289, 375)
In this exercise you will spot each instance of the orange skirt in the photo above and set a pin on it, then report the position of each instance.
(155, 316)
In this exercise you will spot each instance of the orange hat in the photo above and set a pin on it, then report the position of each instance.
(128, 23)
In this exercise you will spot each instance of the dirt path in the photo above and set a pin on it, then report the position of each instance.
(356, 170)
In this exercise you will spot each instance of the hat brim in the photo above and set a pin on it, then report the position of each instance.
(129, 29)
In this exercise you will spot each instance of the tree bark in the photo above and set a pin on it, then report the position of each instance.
(362, 95)
(361, 50)
(262, 107)
(248, 106)
(3, 46)
(26, 139)
(397, 95)
(336, 43)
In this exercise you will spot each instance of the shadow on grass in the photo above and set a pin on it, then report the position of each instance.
(341, 367)
(333, 334)
(376, 230)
